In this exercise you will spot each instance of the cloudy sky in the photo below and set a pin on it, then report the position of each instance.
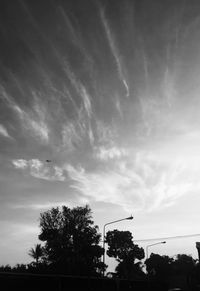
(109, 92)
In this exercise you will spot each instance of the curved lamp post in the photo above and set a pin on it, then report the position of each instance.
(161, 242)
(104, 228)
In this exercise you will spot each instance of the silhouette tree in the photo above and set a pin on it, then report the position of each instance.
(127, 254)
(19, 268)
(36, 253)
(6, 268)
(183, 264)
(159, 266)
(71, 240)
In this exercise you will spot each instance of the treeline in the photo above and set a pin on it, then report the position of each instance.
(71, 244)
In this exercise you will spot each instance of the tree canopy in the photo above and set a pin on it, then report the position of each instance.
(122, 248)
(157, 265)
(71, 240)
(183, 264)
(163, 266)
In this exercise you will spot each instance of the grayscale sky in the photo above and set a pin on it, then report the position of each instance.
(109, 91)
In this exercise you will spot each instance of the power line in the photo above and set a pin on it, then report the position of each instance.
(168, 237)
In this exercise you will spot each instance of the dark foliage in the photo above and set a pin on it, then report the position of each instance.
(122, 248)
(71, 241)
(159, 266)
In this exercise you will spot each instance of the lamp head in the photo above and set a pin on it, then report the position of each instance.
(130, 217)
(163, 242)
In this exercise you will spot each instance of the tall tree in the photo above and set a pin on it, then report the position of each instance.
(71, 240)
(128, 255)
(36, 253)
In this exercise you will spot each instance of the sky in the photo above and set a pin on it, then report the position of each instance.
(108, 91)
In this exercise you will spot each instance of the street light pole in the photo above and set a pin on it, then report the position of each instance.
(104, 228)
(161, 242)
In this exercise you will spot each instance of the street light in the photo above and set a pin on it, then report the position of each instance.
(161, 242)
(104, 228)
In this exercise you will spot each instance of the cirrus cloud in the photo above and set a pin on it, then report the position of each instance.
(3, 131)
(39, 170)
(110, 153)
(144, 181)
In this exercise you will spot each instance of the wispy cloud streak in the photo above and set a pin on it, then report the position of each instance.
(39, 170)
(114, 50)
(39, 128)
(4, 132)
(144, 182)
(75, 36)
(32, 119)
(81, 90)
(109, 153)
